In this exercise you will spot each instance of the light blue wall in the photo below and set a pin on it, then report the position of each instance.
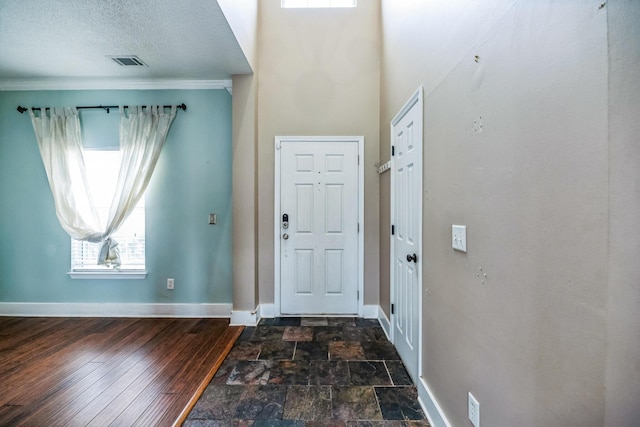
(192, 179)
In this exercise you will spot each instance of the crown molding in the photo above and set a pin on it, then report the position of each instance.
(112, 84)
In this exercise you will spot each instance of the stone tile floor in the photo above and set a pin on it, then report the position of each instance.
(339, 372)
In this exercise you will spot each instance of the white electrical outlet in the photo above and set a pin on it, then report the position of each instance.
(459, 237)
(474, 411)
(169, 283)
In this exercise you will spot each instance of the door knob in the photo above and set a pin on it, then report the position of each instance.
(285, 236)
(413, 258)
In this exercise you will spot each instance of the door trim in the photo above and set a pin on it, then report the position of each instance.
(276, 211)
(415, 99)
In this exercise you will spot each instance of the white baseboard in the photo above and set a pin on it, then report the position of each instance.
(370, 311)
(385, 323)
(37, 309)
(267, 311)
(430, 406)
(244, 318)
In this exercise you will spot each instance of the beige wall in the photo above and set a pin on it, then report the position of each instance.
(242, 16)
(422, 42)
(319, 75)
(549, 189)
(622, 374)
(245, 186)
(539, 189)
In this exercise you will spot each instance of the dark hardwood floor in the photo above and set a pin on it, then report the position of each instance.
(106, 371)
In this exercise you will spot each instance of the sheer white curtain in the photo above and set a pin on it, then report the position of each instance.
(143, 132)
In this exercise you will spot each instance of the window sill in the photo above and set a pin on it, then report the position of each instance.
(111, 274)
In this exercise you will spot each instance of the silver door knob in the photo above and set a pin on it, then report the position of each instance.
(285, 236)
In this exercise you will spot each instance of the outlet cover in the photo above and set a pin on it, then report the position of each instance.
(459, 237)
(474, 411)
(170, 283)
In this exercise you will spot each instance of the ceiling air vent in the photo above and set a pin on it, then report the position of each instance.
(128, 60)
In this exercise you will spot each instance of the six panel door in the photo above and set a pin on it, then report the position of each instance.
(319, 243)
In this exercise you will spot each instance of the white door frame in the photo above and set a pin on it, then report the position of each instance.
(276, 210)
(416, 98)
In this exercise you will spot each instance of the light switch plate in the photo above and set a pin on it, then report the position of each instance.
(213, 218)
(474, 410)
(459, 237)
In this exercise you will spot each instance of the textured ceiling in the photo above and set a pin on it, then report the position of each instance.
(177, 39)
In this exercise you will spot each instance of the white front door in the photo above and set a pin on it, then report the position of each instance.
(406, 187)
(317, 223)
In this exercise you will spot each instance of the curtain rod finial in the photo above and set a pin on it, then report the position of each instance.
(21, 109)
(183, 106)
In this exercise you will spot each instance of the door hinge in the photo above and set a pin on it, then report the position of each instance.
(358, 227)
(358, 158)
(393, 309)
(393, 230)
(357, 295)
(393, 150)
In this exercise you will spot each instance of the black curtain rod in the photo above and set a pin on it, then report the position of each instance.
(21, 109)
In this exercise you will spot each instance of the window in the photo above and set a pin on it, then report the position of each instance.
(317, 3)
(101, 167)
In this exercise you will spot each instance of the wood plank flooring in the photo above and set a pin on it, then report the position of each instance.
(106, 371)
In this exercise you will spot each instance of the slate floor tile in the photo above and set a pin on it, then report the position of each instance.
(380, 350)
(261, 402)
(250, 372)
(211, 423)
(399, 403)
(346, 350)
(308, 403)
(267, 333)
(310, 372)
(398, 372)
(354, 333)
(217, 403)
(354, 403)
(223, 372)
(326, 423)
(278, 423)
(367, 323)
(247, 350)
(311, 351)
(290, 372)
(369, 373)
(388, 423)
(246, 334)
(376, 424)
(329, 373)
(277, 350)
(298, 333)
(328, 333)
(314, 321)
(287, 321)
(341, 321)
